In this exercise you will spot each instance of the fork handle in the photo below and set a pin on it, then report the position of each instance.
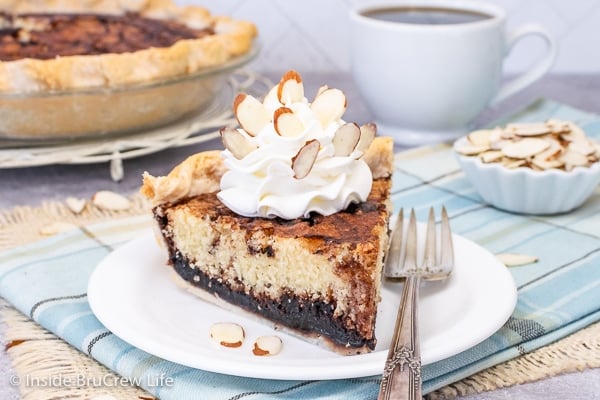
(402, 373)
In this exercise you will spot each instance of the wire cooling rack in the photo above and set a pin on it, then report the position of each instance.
(198, 128)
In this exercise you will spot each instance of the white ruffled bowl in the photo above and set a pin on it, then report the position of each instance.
(526, 191)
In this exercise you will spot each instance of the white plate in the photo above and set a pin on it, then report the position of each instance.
(133, 295)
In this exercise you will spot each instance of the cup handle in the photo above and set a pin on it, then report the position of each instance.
(537, 70)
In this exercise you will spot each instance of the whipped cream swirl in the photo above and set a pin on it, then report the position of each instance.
(262, 183)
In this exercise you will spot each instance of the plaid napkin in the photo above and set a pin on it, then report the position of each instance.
(557, 296)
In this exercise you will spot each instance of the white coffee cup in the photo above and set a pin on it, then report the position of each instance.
(427, 82)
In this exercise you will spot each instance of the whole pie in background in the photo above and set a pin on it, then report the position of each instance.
(80, 44)
(81, 68)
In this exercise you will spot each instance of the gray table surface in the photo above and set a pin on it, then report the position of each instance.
(32, 186)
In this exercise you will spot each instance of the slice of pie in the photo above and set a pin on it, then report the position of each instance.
(316, 273)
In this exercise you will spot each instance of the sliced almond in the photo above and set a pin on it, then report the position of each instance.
(575, 131)
(491, 156)
(75, 204)
(525, 148)
(544, 164)
(582, 146)
(567, 137)
(286, 123)
(329, 106)
(573, 159)
(529, 129)
(56, 228)
(250, 113)
(514, 259)
(548, 159)
(499, 144)
(345, 139)
(304, 160)
(553, 151)
(267, 346)
(471, 150)
(110, 201)
(321, 90)
(238, 144)
(271, 97)
(507, 134)
(512, 164)
(557, 126)
(290, 88)
(495, 135)
(227, 334)
(480, 137)
(367, 135)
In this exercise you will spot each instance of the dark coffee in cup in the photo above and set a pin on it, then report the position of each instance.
(425, 15)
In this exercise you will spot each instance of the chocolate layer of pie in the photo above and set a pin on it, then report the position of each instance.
(46, 36)
(298, 312)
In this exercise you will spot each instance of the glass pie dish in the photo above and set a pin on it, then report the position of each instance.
(56, 116)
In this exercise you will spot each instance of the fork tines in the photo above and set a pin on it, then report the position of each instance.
(401, 260)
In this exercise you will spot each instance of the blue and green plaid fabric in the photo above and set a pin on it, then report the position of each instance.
(557, 296)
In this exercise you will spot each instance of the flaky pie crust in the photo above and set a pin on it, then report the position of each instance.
(232, 38)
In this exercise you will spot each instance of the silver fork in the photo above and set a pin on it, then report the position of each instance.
(402, 373)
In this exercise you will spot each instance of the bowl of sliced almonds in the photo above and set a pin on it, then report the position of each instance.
(540, 168)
